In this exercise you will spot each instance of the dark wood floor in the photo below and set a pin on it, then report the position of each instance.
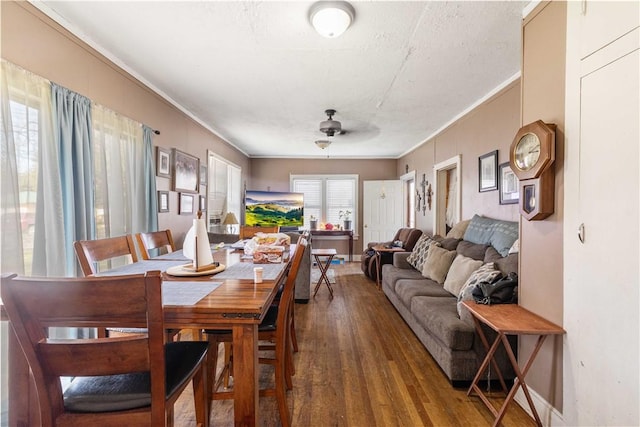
(360, 365)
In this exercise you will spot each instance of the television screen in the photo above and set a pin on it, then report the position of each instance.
(269, 208)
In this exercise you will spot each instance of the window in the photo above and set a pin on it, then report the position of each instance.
(325, 196)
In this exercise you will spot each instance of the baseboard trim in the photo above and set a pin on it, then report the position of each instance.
(549, 415)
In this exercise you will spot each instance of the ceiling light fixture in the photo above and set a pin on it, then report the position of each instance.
(331, 18)
(323, 143)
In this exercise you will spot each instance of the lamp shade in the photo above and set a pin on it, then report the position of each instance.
(230, 219)
(331, 18)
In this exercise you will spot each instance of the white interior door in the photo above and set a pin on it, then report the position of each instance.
(383, 210)
(601, 232)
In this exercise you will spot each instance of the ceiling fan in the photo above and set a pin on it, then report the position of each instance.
(331, 127)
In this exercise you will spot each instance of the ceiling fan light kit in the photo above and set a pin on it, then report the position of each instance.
(323, 143)
(331, 18)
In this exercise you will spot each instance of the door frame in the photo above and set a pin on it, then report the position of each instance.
(439, 180)
(409, 176)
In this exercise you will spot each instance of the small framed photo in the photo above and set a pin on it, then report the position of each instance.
(186, 172)
(509, 185)
(488, 171)
(203, 174)
(203, 203)
(163, 162)
(185, 205)
(163, 201)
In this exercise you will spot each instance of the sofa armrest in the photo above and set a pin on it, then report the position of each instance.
(400, 260)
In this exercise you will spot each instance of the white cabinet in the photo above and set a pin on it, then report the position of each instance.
(602, 140)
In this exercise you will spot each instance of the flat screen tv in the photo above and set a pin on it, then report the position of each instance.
(269, 208)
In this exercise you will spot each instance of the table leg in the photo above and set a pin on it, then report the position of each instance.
(245, 354)
(324, 268)
(519, 382)
(378, 260)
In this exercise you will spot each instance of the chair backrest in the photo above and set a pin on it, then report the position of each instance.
(248, 232)
(90, 252)
(286, 298)
(155, 240)
(36, 304)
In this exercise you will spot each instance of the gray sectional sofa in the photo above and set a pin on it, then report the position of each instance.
(431, 309)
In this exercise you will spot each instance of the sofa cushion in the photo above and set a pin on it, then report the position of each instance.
(458, 230)
(439, 317)
(498, 233)
(437, 263)
(449, 243)
(459, 272)
(391, 275)
(419, 252)
(486, 273)
(407, 289)
(508, 264)
(472, 250)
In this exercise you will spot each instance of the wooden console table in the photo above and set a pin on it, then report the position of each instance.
(508, 319)
(346, 234)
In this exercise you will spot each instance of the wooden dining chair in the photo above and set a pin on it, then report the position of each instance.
(155, 240)
(247, 232)
(92, 252)
(275, 328)
(132, 380)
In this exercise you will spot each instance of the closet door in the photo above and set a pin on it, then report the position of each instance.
(602, 219)
(383, 210)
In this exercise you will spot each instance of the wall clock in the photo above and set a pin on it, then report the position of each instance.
(531, 157)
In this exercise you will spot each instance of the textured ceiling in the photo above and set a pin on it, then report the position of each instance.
(258, 75)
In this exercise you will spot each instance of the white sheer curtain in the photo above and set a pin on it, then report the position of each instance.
(31, 195)
(452, 199)
(120, 198)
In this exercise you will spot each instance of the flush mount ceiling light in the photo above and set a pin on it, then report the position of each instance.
(323, 143)
(331, 18)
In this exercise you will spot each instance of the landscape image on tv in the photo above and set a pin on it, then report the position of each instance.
(269, 208)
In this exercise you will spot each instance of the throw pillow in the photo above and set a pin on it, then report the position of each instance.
(479, 230)
(472, 250)
(437, 263)
(505, 233)
(458, 230)
(487, 272)
(508, 264)
(515, 248)
(419, 253)
(459, 272)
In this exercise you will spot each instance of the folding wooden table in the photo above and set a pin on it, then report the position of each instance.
(508, 319)
(328, 255)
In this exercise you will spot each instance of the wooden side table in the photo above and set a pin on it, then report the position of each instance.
(379, 250)
(508, 319)
(328, 255)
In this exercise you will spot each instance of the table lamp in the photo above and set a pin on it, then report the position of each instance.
(231, 220)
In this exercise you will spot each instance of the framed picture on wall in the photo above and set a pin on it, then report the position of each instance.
(185, 203)
(488, 171)
(186, 172)
(509, 185)
(163, 201)
(163, 162)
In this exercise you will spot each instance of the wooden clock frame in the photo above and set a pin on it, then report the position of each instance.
(537, 184)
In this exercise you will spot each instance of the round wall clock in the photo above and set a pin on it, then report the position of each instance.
(533, 150)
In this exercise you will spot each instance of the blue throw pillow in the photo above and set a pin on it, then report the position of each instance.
(495, 232)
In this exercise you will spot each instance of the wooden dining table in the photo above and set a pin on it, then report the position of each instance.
(234, 302)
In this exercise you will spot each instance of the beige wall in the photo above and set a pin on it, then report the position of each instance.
(541, 242)
(35, 42)
(273, 175)
(490, 126)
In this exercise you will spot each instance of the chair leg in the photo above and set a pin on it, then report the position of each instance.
(201, 396)
(281, 393)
